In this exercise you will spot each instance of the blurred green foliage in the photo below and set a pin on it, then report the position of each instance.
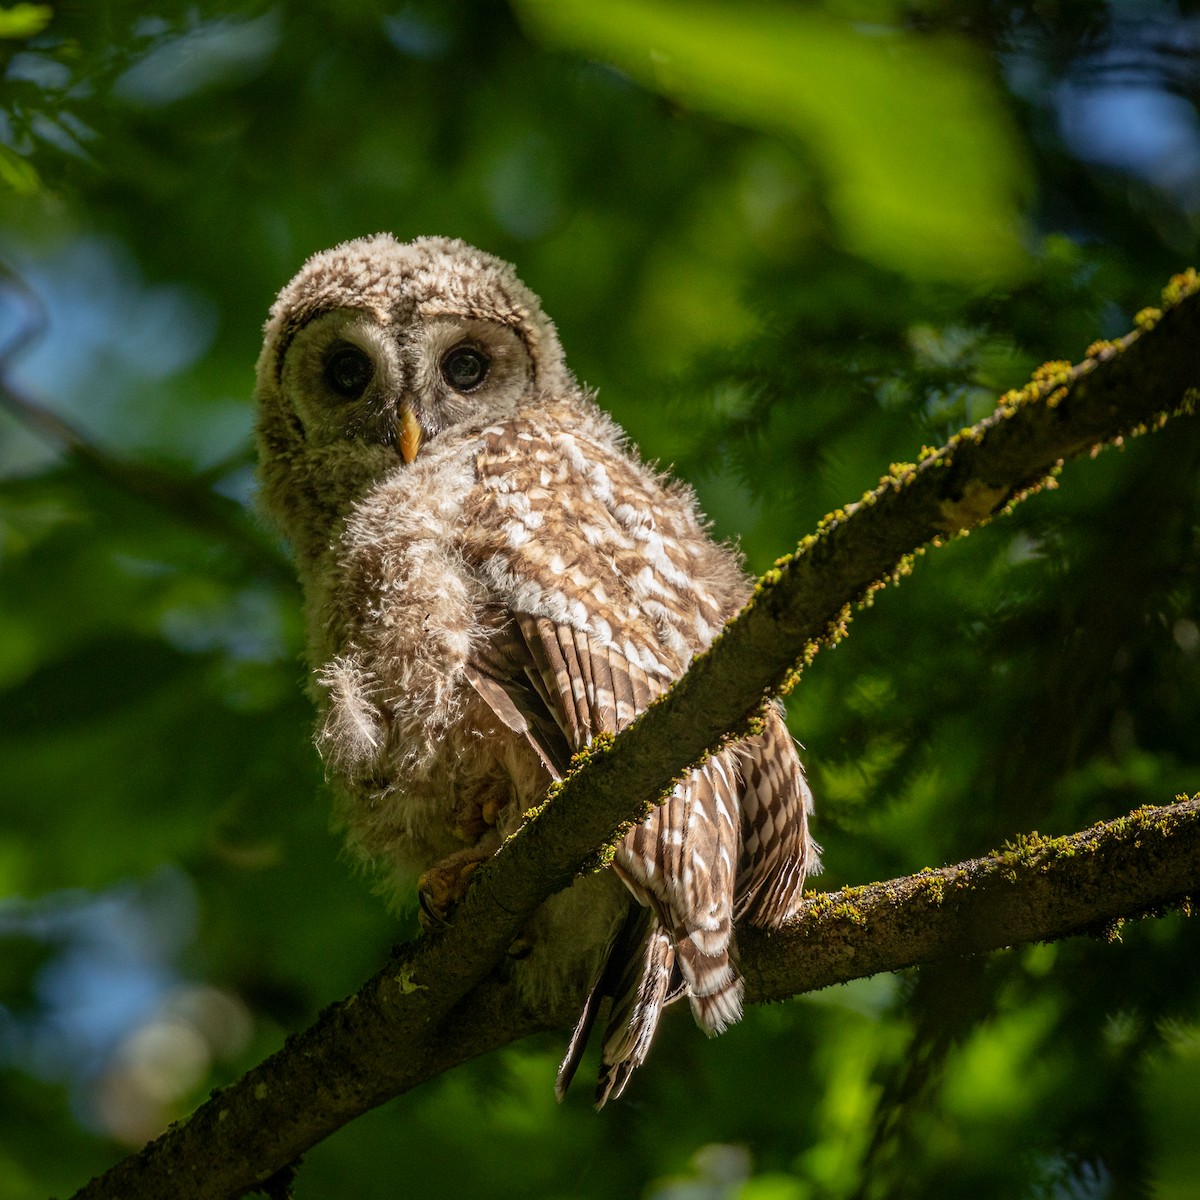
(789, 244)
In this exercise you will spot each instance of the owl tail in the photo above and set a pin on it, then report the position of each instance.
(646, 986)
(682, 860)
(638, 973)
(714, 987)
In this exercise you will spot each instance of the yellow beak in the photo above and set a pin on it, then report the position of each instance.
(410, 433)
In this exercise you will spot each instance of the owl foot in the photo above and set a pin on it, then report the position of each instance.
(479, 811)
(492, 807)
(441, 887)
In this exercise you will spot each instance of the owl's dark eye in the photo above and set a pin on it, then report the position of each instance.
(348, 371)
(464, 368)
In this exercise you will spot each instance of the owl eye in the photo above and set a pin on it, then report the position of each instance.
(464, 368)
(348, 371)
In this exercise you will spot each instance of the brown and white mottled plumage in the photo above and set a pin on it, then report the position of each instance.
(492, 578)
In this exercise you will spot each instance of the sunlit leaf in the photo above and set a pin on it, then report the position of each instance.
(19, 173)
(919, 155)
(24, 20)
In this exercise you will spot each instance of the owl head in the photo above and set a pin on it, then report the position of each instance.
(376, 349)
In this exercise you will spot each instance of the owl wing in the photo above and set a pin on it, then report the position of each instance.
(571, 543)
(559, 687)
(520, 677)
(777, 850)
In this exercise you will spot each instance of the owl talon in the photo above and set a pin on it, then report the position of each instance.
(431, 920)
(441, 888)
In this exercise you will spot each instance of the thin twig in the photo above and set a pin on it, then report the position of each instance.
(189, 501)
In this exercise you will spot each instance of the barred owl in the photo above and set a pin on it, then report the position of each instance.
(492, 577)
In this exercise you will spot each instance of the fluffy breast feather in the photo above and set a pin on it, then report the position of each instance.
(545, 513)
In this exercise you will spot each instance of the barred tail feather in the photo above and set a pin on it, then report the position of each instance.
(636, 1011)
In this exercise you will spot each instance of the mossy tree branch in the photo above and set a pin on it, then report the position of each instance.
(1039, 890)
(411, 1022)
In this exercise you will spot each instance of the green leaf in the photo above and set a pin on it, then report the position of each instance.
(24, 20)
(920, 159)
(16, 171)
